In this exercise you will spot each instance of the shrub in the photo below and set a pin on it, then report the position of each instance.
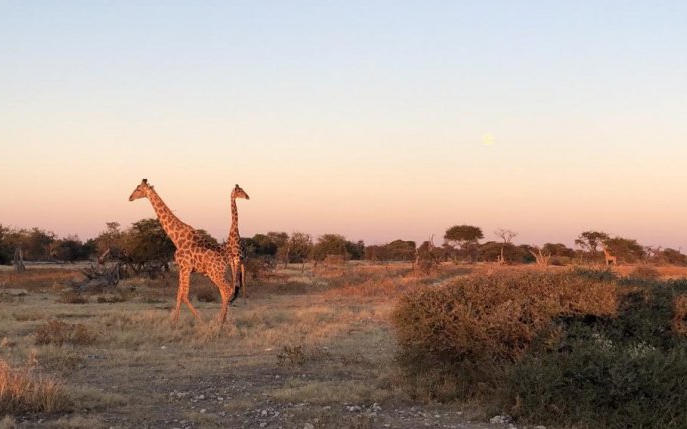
(59, 333)
(600, 384)
(23, 392)
(72, 297)
(645, 272)
(595, 274)
(470, 328)
(571, 349)
(621, 371)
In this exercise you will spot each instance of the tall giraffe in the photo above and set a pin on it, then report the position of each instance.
(194, 253)
(233, 246)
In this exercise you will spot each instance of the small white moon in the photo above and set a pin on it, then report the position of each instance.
(488, 139)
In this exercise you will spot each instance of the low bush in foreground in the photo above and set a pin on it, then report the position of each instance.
(57, 332)
(576, 348)
(21, 391)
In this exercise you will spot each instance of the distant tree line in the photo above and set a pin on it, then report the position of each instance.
(144, 246)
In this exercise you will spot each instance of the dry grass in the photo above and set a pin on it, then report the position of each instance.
(58, 333)
(34, 279)
(22, 391)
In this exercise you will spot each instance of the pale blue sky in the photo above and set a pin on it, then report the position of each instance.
(365, 118)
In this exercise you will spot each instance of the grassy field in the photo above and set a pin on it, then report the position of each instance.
(303, 349)
(306, 348)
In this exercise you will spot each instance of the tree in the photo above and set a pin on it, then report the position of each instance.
(461, 235)
(261, 245)
(356, 250)
(295, 249)
(397, 250)
(401, 250)
(280, 239)
(374, 253)
(147, 245)
(507, 237)
(426, 259)
(559, 249)
(300, 246)
(38, 244)
(625, 249)
(559, 252)
(493, 251)
(71, 249)
(591, 240)
(673, 257)
(465, 238)
(109, 239)
(330, 244)
(6, 249)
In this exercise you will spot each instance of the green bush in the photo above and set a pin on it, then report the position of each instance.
(591, 381)
(582, 348)
(628, 370)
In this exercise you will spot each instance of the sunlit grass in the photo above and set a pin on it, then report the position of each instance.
(23, 391)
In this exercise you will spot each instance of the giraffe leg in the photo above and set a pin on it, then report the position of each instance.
(184, 283)
(224, 291)
(182, 294)
(191, 307)
(243, 283)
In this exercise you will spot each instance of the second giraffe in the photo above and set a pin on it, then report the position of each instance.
(236, 255)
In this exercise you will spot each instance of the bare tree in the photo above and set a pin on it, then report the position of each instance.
(507, 236)
(541, 257)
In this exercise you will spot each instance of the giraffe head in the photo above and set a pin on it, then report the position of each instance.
(239, 193)
(141, 190)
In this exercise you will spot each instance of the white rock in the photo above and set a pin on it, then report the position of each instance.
(503, 420)
(308, 426)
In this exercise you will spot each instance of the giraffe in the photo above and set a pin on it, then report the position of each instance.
(233, 246)
(194, 253)
(610, 259)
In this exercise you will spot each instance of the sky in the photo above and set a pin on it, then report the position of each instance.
(374, 119)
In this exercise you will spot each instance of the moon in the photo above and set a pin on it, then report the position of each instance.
(488, 139)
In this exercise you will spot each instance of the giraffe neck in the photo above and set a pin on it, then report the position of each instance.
(234, 237)
(170, 223)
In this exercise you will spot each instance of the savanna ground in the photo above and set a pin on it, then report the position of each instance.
(307, 349)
